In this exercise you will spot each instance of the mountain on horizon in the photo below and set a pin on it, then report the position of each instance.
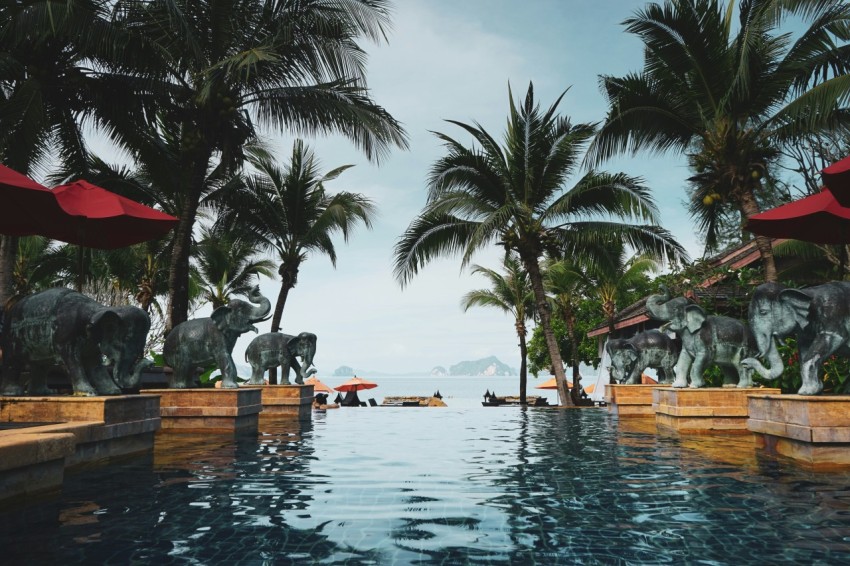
(485, 366)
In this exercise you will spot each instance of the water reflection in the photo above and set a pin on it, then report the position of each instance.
(441, 487)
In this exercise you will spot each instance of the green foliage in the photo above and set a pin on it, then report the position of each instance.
(589, 316)
(836, 371)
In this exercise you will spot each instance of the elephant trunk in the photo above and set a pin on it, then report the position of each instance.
(657, 307)
(263, 307)
(135, 376)
(773, 359)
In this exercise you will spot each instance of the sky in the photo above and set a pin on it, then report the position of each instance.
(443, 60)
(454, 60)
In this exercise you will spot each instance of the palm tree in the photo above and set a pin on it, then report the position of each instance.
(225, 66)
(511, 293)
(49, 58)
(729, 96)
(289, 211)
(568, 284)
(617, 275)
(515, 195)
(227, 264)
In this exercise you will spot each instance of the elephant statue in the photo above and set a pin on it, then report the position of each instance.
(62, 327)
(706, 340)
(200, 342)
(819, 317)
(652, 348)
(275, 349)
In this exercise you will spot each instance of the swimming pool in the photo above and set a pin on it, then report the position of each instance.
(441, 486)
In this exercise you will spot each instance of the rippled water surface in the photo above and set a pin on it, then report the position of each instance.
(440, 486)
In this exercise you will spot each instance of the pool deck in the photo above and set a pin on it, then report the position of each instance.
(43, 436)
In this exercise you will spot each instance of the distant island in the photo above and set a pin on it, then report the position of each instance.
(484, 366)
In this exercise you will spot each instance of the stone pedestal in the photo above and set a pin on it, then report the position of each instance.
(103, 427)
(280, 401)
(630, 400)
(32, 463)
(812, 430)
(210, 410)
(706, 410)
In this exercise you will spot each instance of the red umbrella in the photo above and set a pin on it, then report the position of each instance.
(26, 207)
(837, 179)
(105, 220)
(817, 218)
(356, 384)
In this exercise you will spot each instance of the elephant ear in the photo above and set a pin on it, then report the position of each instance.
(630, 351)
(104, 323)
(694, 317)
(220, 316)
(799, 303)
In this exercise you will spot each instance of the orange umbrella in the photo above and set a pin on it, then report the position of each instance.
(646, 380)
(356, 384)
(552, 384)
(318, 386)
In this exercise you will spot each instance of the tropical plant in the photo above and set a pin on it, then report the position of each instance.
(510, 292)
(222, 67)
(49, 79)
(729, 96)
(289, 211)
(567, 284)
(616, 275)
(227, 264)
(514, 195)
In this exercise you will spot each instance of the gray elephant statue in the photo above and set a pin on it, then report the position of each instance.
(819, 317)
(650, 349)
(62, 327)
(275, 349)
(706, 340)
(200, 342)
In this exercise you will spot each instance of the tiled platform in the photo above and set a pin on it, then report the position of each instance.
(704, 410)
(210, 410)
(295, 401)
(43, 436)
(630, 400)
(814, 430)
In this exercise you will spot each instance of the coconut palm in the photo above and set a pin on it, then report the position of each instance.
(50, 53)
(288, 211)
(567, 284)
(227, 265)
(510, 292)
(228, 66)
(729, 96)
(515, 195)
(617, 275)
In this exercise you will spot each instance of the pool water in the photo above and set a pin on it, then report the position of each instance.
(440, 486)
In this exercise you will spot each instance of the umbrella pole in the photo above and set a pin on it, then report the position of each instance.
(79, 269)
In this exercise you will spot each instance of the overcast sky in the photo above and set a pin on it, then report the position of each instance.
(454, 60)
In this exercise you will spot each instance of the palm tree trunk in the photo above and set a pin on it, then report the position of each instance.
(288, 277)
(8, 256)
(178, 276)
(536, 278)
(523, 366)
(571, 328)
(749, 207)
(570, 321)
(278, 315)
